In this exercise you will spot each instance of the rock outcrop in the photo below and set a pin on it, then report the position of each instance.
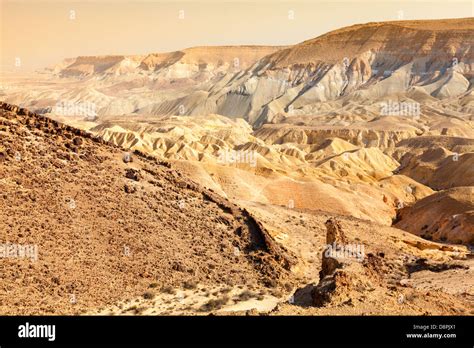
(335, 280)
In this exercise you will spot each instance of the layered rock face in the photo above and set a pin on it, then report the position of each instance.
(178, 64)
(359, 68)
(363, 62)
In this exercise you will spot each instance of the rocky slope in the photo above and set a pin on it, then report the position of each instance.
(444, 216)
(107, 227)
(400, 273)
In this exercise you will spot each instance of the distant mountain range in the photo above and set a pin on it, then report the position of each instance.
(346, 71)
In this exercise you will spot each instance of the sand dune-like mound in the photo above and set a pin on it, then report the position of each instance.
(438, 162)
(446, 216)
(229, 157)
(454, 144)
(277, 134)
(369, 164)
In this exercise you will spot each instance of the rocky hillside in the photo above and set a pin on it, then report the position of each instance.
(108, 225)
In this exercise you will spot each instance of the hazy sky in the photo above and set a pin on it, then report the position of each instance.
(40, 33)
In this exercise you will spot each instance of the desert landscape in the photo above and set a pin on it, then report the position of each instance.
(330, 177)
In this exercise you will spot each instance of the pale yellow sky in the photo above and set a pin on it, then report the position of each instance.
(40, 33)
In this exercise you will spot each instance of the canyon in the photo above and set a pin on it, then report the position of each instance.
(246, 159)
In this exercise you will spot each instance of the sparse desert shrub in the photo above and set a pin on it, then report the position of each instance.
(270, 283)
(168, 290)
(148, 295)
(276, 292)
(153, 285)
(139, 310)
(190, 284)
(215, 304)
(226, 290)
(246, 295)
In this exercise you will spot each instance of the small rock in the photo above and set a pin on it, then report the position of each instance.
(127, 157)
(405, 282)
(78, 141)
(133, 174)
(130, 188)
(177, 266)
